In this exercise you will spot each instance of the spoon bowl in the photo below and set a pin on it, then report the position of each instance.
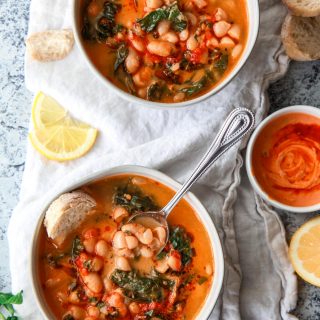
(238, 123)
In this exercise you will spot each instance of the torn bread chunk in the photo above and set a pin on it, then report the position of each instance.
(304, 8)
(66, 213)
(50, 45)
(301, 37)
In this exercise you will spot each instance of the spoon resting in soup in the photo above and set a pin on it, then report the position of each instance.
(106, 268)
(164, 50)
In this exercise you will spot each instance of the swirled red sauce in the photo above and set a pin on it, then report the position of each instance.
(286, 159)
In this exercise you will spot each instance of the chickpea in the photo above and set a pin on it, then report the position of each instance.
(227, 43)
(93, 281)
(192, 43)
(89, 245)
(170, 37)
(154, 4)
(221, 28)
(77, 312)
(163, 27)
(134, 308)
(132, 61)
(119, 213)
(122, 263)
(132, 242)
(234, 32)
(93, 311)
(236, 51)
(161, 48)
(119, 240)
(221, 15)
(102, 248)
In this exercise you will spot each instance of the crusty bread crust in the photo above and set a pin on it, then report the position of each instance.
(303, 8)
(50, 45)
(300, 37)
(66, 213)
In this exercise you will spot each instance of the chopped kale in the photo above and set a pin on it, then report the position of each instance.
(154, 92)
(222, 63)
(202, 280)
(196, 86)
(122, 54)
(133, 200)
(54, 261)
(181, 242)
(172, 13)
(77, 247)
(139, 287)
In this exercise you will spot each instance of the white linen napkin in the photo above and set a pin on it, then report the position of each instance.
(259, 281)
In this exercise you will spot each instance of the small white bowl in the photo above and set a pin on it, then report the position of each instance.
(253, 28)
(293, 109)
(167, 181)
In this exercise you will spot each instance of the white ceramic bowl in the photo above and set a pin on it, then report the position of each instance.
(253, 28)
(293, 109)
(164, 179)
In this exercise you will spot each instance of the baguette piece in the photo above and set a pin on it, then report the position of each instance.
(50, 45)
(66, 213)
(304, 8)
(301, 37)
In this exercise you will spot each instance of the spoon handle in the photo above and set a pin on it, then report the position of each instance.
(239, 122)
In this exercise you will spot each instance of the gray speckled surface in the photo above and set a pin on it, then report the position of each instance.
(300, 86)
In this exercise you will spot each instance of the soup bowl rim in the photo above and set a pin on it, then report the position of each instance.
(253, 30)
(303, 109)
(156, 175)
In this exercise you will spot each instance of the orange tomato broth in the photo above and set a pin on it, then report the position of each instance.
(103, 58)
(286, 159)
(183, 215)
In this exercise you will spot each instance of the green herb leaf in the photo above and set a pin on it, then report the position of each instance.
(154, 92)
(161, 255)
(222, 63)
(182, 243)
(172, 13)
(9, 298)
(195, 86)
(202, 280)
(77, 247)
(122, 54)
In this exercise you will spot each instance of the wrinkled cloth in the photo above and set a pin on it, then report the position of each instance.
(259, 281)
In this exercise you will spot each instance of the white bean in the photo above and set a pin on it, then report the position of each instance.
(122, 264)
(200, 3)
(132, 242)
(147, 236)
(170, 36)
(93, 311)
(119, 240)
(209, 269)
(221, 15)
(108, 284)
(184, 34)
(73, 297)
(102, 248)
(163, 27)
(89, 244)
(191, 18)
(227, 43)
(236, 51)
(119, 213)
(125, 252)
(212, 43)
(138, 44)
(97, 264)
(77, 312)
(132, 228)
(132, 61)
(161, 48)
(142, 79)
(234, 32)
(221, 28)
(154, 4)
(146, 252)
(192, 43)
(162, 266)
(174, 262)
(160, 232)
(93, 281)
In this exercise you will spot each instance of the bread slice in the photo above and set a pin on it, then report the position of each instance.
(50, 45)
(301, 37)
(304, 8)
(66, 213)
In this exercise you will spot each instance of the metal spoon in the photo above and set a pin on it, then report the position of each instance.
(239, 122)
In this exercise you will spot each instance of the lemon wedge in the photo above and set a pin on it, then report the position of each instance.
(304, 251)
(56, 134)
